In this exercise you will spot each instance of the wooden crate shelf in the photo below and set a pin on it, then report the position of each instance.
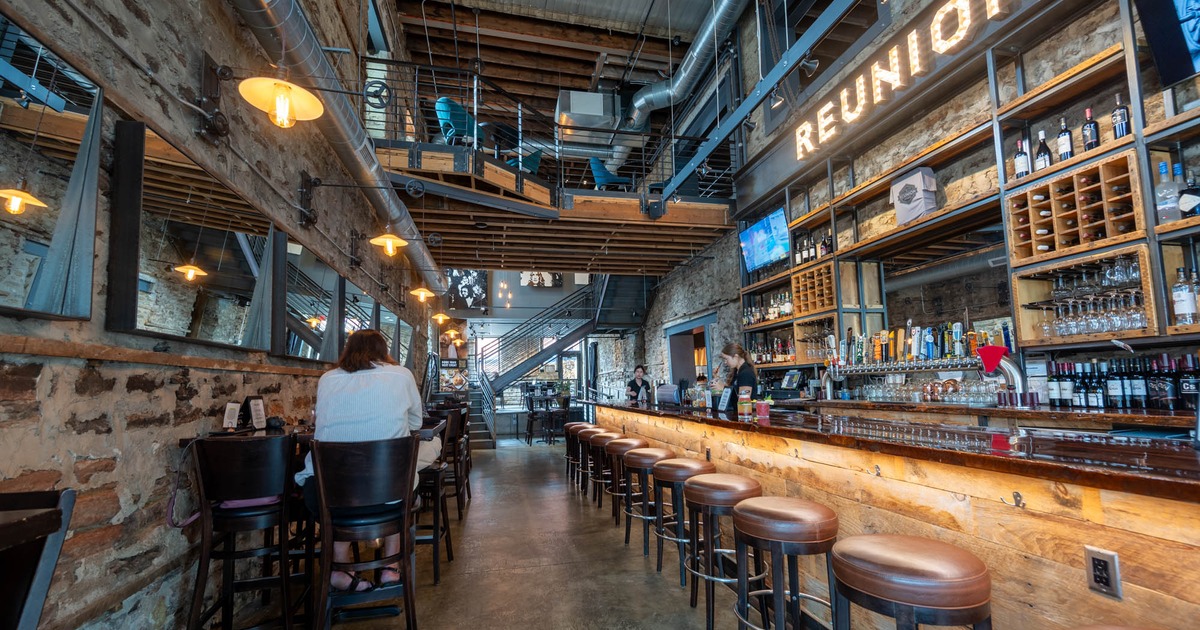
(809, 338)
(1094, 205)
(813, 290)
(1034, 286)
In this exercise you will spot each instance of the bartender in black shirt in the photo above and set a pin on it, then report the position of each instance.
(741, 373)
(638, 388)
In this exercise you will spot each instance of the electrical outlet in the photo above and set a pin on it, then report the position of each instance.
(622, 428)
(1103, 571)
(708, 454)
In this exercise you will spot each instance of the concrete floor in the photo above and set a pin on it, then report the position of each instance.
(532, 554)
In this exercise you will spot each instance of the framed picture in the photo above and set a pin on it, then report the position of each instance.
(468, 288)
(541, 279)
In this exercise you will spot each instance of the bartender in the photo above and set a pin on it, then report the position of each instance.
(742, 375)
(638, 389)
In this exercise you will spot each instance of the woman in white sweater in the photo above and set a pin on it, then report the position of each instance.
(366, 397)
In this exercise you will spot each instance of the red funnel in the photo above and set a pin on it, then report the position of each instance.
(991, 356)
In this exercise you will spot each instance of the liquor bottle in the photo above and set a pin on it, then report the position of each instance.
(1066, 146)
(1154, 388)
(1021, 160)
(1170, 384)
(1042, 159)
(1090, 131)
(812, 248)
(1137, 385)
(1095, 387)
(1189, 383)
(1189, 197)
(1114, 390)
(1053, 397)
(1166, 196)
(1120, 120)
(1183, 295)
(1066, 387)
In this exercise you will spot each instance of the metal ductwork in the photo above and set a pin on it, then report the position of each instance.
(716, 29)
(280, 23)
(966, 266)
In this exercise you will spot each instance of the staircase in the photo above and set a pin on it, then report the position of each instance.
(623, 303)
(479, 425)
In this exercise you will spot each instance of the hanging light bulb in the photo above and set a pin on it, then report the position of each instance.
(508, 305)
(422, 294)
(389, 242)
(452, 333)
(190, 271)
(19, 197)
(283, 101)
(313, 322)
(458, 342)
(441, 318)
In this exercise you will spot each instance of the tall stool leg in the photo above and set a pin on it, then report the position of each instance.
(643, 479)
(659, 522)
(628, 504)
(680, 533)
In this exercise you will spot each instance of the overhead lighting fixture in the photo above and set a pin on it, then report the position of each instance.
(389, 242)
(458, 342)
(776, 98)
(190, 271)
(703, 170)
(283, 101)
(441, 318)
(452, 333)
(749, 124)
(675, 198)
(809, 66)
(313, 322)
(422, 294)
(19, 197)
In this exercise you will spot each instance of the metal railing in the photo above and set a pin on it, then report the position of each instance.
(431, 377)
(533, 335)
(487, 402)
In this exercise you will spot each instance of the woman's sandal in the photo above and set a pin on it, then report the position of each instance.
(385, 582)
(356, 585)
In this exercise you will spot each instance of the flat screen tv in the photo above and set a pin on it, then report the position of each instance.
(766, 242)
(1173, 32)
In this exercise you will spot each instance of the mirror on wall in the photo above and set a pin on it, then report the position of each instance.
(312, 289)
(50, 121)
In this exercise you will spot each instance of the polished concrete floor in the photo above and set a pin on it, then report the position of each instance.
(530, 553)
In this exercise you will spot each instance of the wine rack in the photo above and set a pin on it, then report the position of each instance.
(812, 290)
(1086, 290)
(1096, 204)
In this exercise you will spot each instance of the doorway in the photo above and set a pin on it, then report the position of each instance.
(689, 345)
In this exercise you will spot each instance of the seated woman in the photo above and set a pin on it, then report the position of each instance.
(366, 397)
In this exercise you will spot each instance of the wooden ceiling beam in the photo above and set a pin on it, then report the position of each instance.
(515, 57)
(467, 48)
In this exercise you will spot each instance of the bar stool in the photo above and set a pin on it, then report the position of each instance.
(572, 450)
(709, 497)
(787, 527)
(617, 486)
(601, 470)
(670, 474)
(585, 455)
(911, 579)
(639, 463)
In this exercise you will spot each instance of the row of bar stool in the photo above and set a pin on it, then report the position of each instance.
(910, 579)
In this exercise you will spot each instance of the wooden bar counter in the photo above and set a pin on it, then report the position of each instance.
(1043, 416)
(1138, 498)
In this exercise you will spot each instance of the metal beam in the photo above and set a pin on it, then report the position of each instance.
(472, 196)
(790, 59)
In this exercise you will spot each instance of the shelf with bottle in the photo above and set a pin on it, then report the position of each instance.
(813, 290)
(771, 347)
(811, 335)
(1182, 279)
(765, 310)
(1102, 68)
(811, 246)
(1095, 205)
(1154, 381)
(1094, 298)
(812, 218)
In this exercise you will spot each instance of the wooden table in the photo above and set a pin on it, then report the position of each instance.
(427, 432)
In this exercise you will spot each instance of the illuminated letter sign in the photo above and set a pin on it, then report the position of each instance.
(860, 89)
(939, 41)
(890, 75)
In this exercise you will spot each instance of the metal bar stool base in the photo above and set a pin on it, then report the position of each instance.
(765, 592)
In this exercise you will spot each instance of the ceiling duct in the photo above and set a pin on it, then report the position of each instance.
(274, 22)
(964, 266)
(716, 28)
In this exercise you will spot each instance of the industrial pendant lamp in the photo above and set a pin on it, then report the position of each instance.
(313, 322)
(190, 271)
(452, 333)
(422, 294)
(389, 242)
(283, 101)
(441, 318)
(19, 197)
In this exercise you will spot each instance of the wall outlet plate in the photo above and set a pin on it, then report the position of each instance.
(708, 454)
(1103, 571)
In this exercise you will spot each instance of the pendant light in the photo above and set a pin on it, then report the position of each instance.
(18, 197)
(441, 318)
(283, 101)
(458, 342)
(313, 322)
(389, 242)
(453, 333)
(190, 271)
(422, 294)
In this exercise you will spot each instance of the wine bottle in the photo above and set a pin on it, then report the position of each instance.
(1045, 213)
(1170, 384)
(1166, 196)
(1066, 387)
(1042, 159)
(1114, 391)
(1079, 388)
(1044, 248)
(1066, 147)
(1052, 387)
(1189, 197)
(1096, 388)
(1189, 384)
(1184, 297)
(1041, 231)
(1120, 119)
(1137, 385)
(1021, 160)
(1090, 131)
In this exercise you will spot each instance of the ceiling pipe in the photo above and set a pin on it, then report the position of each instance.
(716, 29)
(966, 266)
(276, 23)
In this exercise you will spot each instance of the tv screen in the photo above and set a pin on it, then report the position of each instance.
(766, 241)
(1173, 32)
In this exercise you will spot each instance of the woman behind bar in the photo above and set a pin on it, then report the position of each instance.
(638, 389)
(742, 375)
(366, 397)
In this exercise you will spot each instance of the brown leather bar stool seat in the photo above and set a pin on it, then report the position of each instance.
(637, 465)
(1107, 627)
(911, 579)
(615, 450)
(670, 474)
(585, 463)
(787, 527)
(709, 497)
(601, 470)
(572, 454)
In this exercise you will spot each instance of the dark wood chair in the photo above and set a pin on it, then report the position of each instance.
(244, 486)
(534, 417)
(32, 528)
(366, 492)
(432, 490)
(456, 452)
